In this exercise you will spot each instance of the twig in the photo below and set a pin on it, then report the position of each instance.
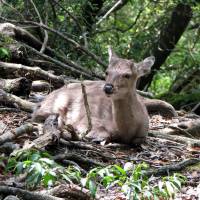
(33, 73)
(109, 11)
(87, 109)
(45, 32)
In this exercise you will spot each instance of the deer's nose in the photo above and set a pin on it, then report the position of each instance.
(108, 88)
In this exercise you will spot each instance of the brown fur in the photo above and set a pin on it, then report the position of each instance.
(120, 116)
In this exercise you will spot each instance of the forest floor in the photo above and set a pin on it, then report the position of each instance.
(156, 152)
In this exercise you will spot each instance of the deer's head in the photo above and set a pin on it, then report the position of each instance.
(122, 74)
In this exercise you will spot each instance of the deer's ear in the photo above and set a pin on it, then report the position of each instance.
(111, 53)
(144, 67)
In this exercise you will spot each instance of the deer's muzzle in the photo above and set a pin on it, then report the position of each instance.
(108, 88)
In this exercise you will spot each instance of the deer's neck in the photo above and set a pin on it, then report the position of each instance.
(123, 112)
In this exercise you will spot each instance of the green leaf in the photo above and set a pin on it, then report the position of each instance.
(19, 167)
(35, 156)
(66, 178)
(48, 179)
(169, 188)
(47, 160)
(92, 188)
(121, 170)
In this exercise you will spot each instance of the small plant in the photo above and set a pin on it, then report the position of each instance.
(40, 168)
(135, 184)
(4, 54)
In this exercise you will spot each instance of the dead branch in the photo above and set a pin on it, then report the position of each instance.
(50, 133)
(119, 2)
(22, 35)
(176, 138)
(9, 135)
(78, 159)
(33, 73)
(33, 43)
(87, 109)
(71, 41)
(173, 167)
(44, 45)
(19, 86)
(26, 195)
(10, 99)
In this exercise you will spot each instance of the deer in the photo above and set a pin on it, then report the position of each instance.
(116, 111)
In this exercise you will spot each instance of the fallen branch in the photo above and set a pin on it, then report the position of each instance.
(69, 40)
(176, 138)
(18, 86)
(77, 158)
(10, 135)
(33, 73)
(173, 167)
(26, 195)
(87, 110)
(10, 99)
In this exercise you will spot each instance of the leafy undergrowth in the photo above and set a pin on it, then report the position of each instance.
(124, 171)
(41, 170)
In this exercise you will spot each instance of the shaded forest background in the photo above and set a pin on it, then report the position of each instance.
(78, 32)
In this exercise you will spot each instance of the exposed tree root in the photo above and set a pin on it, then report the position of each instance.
(173, 167)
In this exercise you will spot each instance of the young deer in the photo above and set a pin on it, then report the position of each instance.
(117, 113)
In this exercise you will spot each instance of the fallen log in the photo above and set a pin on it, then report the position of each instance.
(33, 73)
(14, 101)
(18, 86)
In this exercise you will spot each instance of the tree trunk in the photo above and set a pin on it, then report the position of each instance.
(169, 37)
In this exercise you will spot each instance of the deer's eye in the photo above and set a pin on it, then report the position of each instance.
(106, 73)
(127, 76)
